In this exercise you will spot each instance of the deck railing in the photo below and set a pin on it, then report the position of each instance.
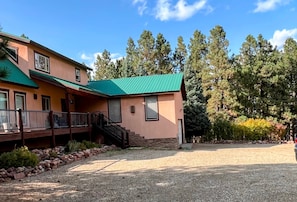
(14, 120)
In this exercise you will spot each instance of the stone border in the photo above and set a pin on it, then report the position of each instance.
(50, 159)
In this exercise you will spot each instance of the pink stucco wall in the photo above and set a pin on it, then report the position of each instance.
(57, 66)
(165, 127)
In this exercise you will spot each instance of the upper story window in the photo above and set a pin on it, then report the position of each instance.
(12, 52)
(42, 62)
(77, 74)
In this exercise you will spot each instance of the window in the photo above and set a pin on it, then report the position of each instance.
(151, 108)
(13, 53)
(77, 74)
(3, 100)
(46, 103)
(42, 62)
(20, 103)
(4, 115)
(114, 110)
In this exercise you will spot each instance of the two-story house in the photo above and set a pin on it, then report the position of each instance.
(47, 97)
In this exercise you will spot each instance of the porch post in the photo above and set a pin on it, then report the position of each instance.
(21, 126)
(51, 120)
(89, 126)
(68, 114)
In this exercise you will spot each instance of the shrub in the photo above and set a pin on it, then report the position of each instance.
(90, 144)
(257, 129)
(222, 129)
(18, 158)
(73, 145)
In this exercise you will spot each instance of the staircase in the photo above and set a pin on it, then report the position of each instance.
(111, 131)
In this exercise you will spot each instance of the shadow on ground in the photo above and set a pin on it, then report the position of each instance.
(130, 176)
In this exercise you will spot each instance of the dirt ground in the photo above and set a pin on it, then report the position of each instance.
(208, 172)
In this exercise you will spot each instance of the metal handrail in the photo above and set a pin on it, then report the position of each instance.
(37, 120)
(113, 129)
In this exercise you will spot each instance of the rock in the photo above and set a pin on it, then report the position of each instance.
(49, 162)
(18, 176)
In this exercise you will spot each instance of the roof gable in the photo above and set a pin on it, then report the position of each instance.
(139, 85)
(33, 43)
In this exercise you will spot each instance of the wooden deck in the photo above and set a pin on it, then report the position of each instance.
(38, 133)
(39, 124)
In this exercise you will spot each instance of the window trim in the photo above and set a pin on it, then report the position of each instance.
(25, 117)
(14, 49)
(48, 99)
(36, 62)
(120, 110)
(146, 108)
(77, 75)
(7, 98)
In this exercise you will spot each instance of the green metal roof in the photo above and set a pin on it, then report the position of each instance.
(15, 75)
(139, 85)
(62, 82)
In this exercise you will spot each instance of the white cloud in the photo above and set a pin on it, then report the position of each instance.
(268, 5)
(141, 6)
(180, 11)
(280, 36)
(85, 57)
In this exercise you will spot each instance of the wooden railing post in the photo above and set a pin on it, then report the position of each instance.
(89, 126)
(21, 125)
(69, 124)
(51, 120)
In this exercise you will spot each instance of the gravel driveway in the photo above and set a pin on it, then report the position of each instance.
(235, 172)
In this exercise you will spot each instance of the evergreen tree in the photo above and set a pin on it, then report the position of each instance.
(260, 79)
(217, 76)
(196, 119)
(162, 56)
(3, 47)
(131, 61)
(3, 54)
(180, 55)
(246, 77)
(146, 54)
(104, 67)
(289, 64)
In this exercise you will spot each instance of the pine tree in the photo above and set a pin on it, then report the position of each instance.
(131, 60)
(246, 77)
(3, 54)
(289, 64)
(180, 55)
(217, 76)
(163, 60)
(260, 79)
(146, 54)
(196, 119)
(104, 67)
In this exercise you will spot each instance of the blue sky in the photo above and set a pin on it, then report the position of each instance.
(81, 29)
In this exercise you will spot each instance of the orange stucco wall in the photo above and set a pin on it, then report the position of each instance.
(83, 104)
(12, 89)
(165, 127)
